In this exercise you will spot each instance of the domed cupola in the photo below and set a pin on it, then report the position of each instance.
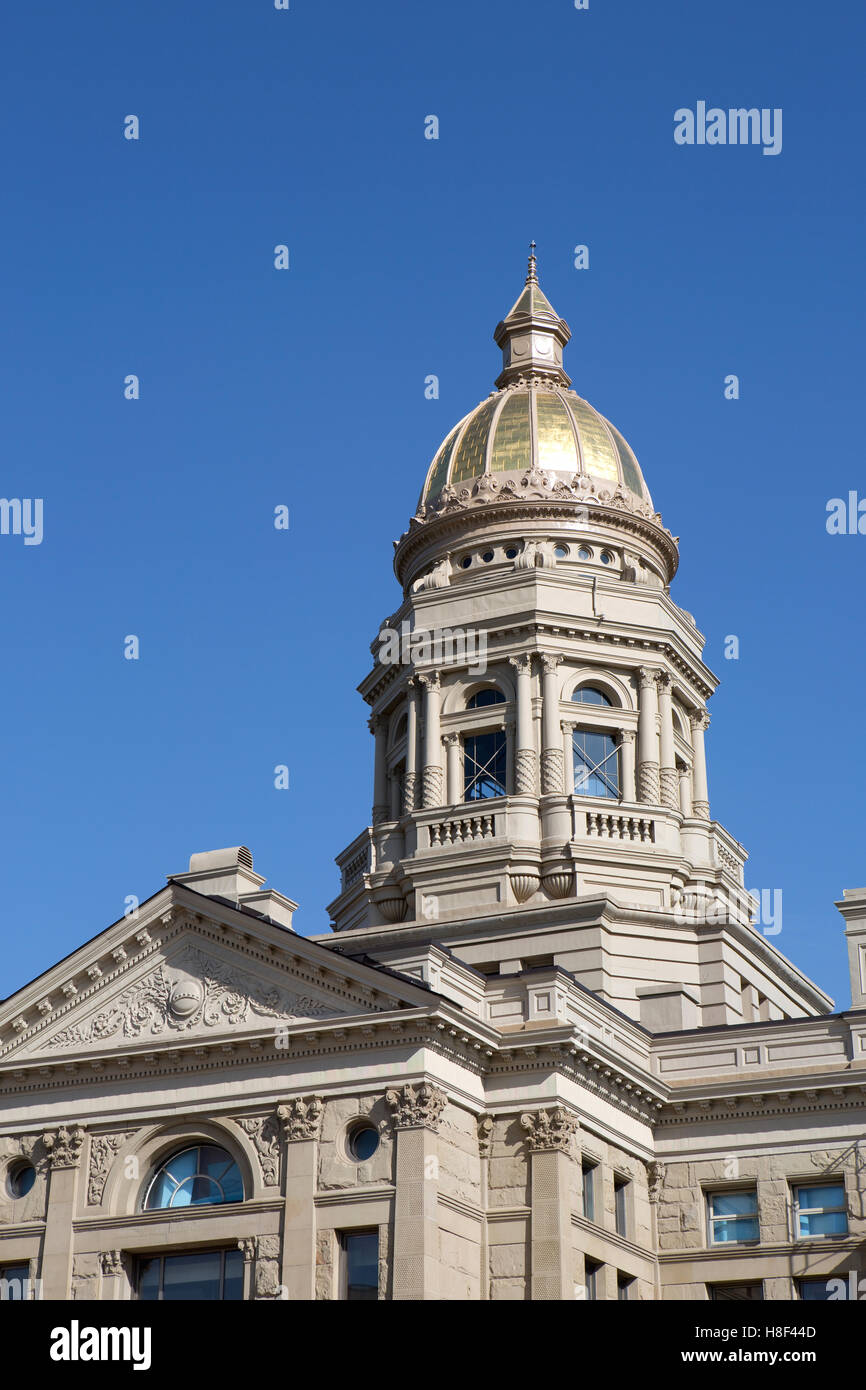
(534, 441)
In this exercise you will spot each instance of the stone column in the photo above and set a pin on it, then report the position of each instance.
(648, 737)
(411, 746)
(526, 758)
(568, 727)
(549, 1136)
(700, 722)
(668, 777)
(454, 792)
(378, 729)
(417, 1111)
(626, 753)
(551, 734)
(432, 790)
(301, 1121)
(63, 1149)
(685, 777)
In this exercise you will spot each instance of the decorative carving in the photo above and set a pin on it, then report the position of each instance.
(204, 992)
(63, 1146)
(485, 1135)
(670, 788)
(526, 772)
(264, 1134)
(248, 1246)
(111, 1263)
(439, 577)
(324, 1265)
(648, 676)
(549, 662)
(301, 1119)
(103, 1148)
(648, 780)
(558, 883)
(552, 778)
(549, 1130)
(408, 793)
(432, 788)
(655, 1172)
(524, 885)
(417, 1107)
(700, 719)
(393, 908)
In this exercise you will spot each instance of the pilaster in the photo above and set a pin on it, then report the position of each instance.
(301, 1121)
(549, 1138)
(417, 1111)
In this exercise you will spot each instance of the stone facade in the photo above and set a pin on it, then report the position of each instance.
(543, 1040)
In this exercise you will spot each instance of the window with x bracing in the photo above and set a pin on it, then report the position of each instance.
(484, 763)
(596, 764)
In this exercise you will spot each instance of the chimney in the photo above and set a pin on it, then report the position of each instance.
(228, 873)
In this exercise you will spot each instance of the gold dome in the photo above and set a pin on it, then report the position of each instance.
(542, 427)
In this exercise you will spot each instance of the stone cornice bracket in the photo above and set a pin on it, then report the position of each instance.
(485, 1135)
(301, 1119)
(417, 1107)
(549, 1130)
(655, 1174)
(63, 1146)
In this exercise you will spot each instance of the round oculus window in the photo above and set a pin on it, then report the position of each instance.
(560, 551)
(512, 552)
(21, 1179)
(363, 1141)
(487, 556)
(466, 562)
(607, 558)
(584, 554)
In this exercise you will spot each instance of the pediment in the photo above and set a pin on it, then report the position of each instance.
(188, 977)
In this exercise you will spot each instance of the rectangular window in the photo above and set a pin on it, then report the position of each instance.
(14, 1283)
(736, 1293)
(484, 760)
(624, 1287)
(834, 1288)
(588, 1175)
(202, 1275)
(360, 1265)
(592, 1280)
(733, 1216)
(596, 764)
(620, 1193)
(820, 1211)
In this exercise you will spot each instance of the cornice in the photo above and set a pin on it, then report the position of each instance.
(798, 1097)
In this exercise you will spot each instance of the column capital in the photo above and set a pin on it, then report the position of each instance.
(248, 1246)
(301, 1118)
(377, 724)
(111, 1263)
(664, 680)
(63, 1146)
(523, 662)
(417, 1107)
(627, 735)
(451, 739)
(655, 1172)
(549, 1130)
(430, 681)
(699, 719)
(648, 676)
(568, 725)
(549, 662)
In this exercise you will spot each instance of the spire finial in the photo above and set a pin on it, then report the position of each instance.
(532, 277)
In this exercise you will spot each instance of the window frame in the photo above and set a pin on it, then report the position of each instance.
(12, 1269)
(710, 1196)
(622, 1205)
(343, 1237)
(603, 731)
(798, 1211)
(588, 1181)
(172, 1155)
(163, 1255)
(591, 1272)
(495, 733)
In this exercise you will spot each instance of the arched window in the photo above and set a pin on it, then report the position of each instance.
(596, 763)
(204, 1175)
(590, 695)
(481, 698)
(484, 760)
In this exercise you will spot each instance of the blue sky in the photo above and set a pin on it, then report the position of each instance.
(306, 388)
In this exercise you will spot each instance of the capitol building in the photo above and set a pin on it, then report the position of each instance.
(543, 1053)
